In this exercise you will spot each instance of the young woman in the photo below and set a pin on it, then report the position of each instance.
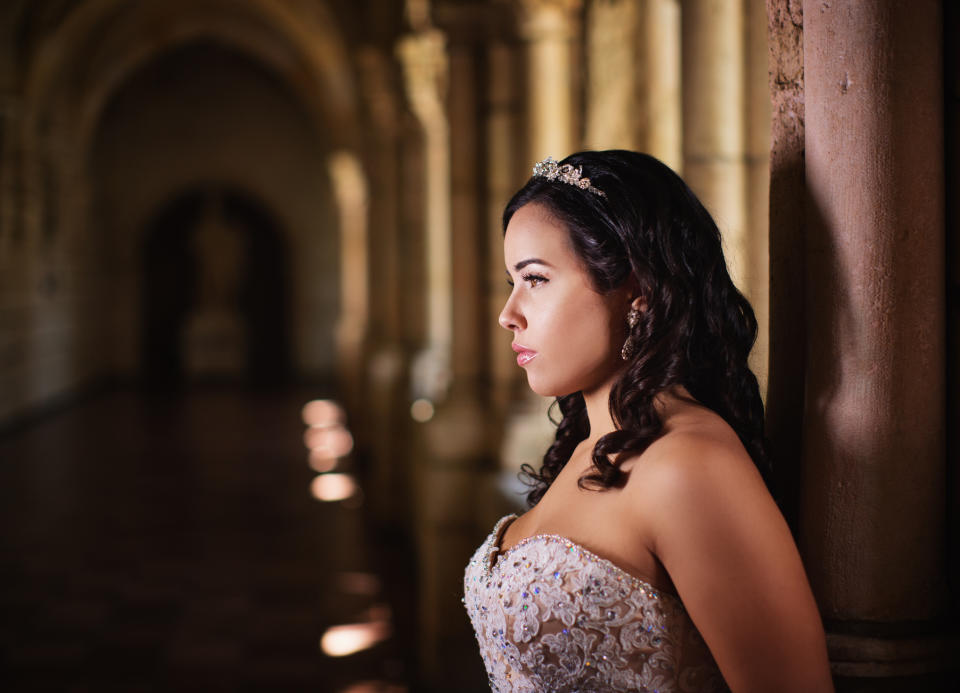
(653, 557)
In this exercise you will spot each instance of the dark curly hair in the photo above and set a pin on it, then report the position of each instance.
(697, 330)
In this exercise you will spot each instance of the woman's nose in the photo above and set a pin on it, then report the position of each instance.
(510, 318)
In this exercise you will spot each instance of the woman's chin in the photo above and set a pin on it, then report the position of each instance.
(546, 389)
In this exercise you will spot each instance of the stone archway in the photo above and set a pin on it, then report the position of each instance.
(97, 49)
(206, 116)
(215, 303)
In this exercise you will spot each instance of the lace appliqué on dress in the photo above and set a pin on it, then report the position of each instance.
(551, 616)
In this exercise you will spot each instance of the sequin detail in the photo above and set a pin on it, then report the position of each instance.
(549, 615)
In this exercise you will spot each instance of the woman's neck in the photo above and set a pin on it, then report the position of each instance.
(598, 408)
(598, 411)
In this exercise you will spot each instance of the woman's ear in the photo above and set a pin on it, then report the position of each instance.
(639, 304)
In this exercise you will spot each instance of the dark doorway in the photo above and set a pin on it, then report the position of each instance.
(184, 268)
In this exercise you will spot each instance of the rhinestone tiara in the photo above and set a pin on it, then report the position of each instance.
(567, 173)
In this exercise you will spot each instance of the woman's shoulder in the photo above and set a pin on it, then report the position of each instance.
(694, 440)
(697, 460)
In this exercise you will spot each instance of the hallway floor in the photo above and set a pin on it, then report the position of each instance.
(171, 543)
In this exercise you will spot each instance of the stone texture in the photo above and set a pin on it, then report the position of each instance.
(874, 419)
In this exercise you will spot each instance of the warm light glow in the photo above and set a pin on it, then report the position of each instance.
(339, 641)
(333, 487)
(422, 410)
(366, 584)
(323, 412)
(329, 441)
(321, 462)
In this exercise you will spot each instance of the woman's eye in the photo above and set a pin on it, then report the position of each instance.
(534, 279)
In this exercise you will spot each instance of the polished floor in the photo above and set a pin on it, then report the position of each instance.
(172, 543)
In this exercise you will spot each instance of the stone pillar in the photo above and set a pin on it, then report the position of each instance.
(551, 29)
(387, 372)
(713, 128)
(441, 69)
(611, 89)
(502, 161)
(466, 236)
(660, 123)
(349, 185)
(872, 518)
(951, 28)
(424, 59)
(725, 120)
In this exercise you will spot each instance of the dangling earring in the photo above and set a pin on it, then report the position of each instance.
(633, 318)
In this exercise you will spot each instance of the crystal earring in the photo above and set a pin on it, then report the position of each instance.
(629, 346)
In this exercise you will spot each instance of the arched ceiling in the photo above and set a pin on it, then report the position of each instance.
(81, 52)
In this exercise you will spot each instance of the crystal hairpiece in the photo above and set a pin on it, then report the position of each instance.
(567, 173)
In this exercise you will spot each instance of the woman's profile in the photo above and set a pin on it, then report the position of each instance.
(653, 557)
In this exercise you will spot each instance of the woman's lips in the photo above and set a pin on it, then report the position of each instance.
(524, 355)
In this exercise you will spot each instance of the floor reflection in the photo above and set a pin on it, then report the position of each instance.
(177, 543)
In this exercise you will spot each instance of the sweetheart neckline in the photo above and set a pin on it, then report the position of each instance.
(500, 554)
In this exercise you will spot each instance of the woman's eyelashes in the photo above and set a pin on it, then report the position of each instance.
(531, 279)
(534, 279)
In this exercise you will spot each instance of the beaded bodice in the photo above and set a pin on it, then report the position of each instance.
(551, 616)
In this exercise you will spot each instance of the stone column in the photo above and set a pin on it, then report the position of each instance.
(349, 185)
(425, 65)
(660, 123)
(387, 397)
(441, 70)
(713, 128)
(424, 59)
(466, 238)
(502, 159)
(611, 104)
(551, 28)
(951, 24)
(872, 518)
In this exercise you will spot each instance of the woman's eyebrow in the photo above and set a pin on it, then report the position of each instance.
(530, 261)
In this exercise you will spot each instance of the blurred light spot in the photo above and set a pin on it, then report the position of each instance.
(343, 640)
(323, 412)
(374, 687)
(331, 441)
(421, 410)
(340, 641)
(321, 462)
(366, 584)
(333, 487)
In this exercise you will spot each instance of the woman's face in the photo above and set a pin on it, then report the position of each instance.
(566, 335)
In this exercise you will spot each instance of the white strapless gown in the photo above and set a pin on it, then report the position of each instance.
(552, 616)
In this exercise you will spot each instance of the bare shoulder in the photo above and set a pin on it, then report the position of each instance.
(700, 463)
(718, 533)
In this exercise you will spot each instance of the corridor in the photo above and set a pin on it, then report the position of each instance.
(172, 543)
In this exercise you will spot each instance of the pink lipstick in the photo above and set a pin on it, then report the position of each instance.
(524, 355)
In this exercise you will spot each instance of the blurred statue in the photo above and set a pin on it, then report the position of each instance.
(214, 338)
